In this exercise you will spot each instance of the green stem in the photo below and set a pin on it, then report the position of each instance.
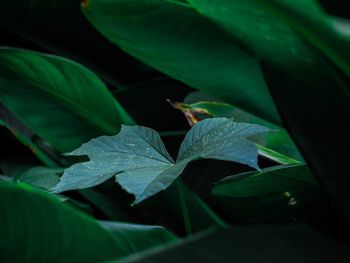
(184, 207)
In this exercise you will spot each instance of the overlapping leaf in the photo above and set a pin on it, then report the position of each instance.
(38, 228)
(185, 46)
(274, 192)
(58, 99)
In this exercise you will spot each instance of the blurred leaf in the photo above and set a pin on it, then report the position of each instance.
(5, 178)
(50, 231)
(38, 176)
(143, 167)
(341, 25)
(272, 193)
(23, 134)
(61, 101)
(187, 47)
(104, 204)
(259, 244)
(42, 177)
(139, 237)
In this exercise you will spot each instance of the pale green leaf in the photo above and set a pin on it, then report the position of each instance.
(137, 153)
(142, 166)
(221, 139)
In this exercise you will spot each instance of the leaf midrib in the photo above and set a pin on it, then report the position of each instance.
(71, 105)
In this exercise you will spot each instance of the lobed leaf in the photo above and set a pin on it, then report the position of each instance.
(137, 157)
(141, 165)
(221, 139)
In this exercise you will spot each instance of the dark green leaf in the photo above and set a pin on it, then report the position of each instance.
(309, 20)
(26, 136)
(186, 47)
(139, 237)
(259, 244)
(35, 227)
(61, 101)
(104, 204)
(260, 30)
(271, 193)
(312, 94)
(199, 214)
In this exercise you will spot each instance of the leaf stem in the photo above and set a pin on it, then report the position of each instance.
(172, 133)
(184, 209)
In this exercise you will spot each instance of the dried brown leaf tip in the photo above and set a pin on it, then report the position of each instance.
(190, 114)
(85, 4)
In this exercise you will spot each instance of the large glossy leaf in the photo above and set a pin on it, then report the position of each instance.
(260, 244)
(143, 167)
(61, 101)
(185, 46)
(50, 231)
(319, 29)
(272, 193)
(38, 228)
(262, 32)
